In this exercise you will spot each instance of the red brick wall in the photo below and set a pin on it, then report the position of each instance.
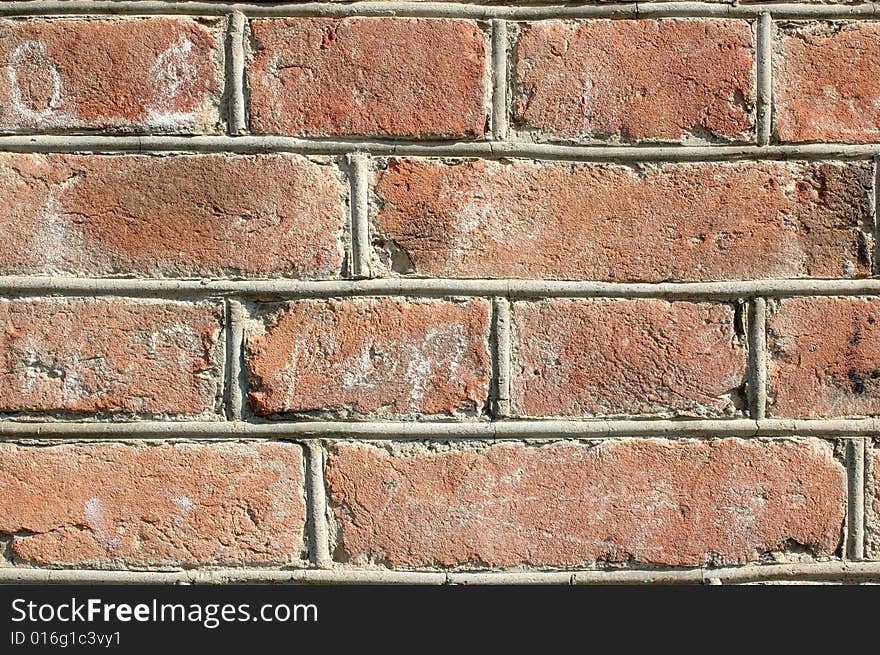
(428, 292)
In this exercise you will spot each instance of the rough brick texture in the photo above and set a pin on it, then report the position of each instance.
(666, 80)
(385, 356)
(499, 266)
(827, 82)
(368, 76)
(825, 357)
(109, 356)
(607, 357)
(707, 221)
(145, 75)
(677, 503)
(183, 216)
(180, 504)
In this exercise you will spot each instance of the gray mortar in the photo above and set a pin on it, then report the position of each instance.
(446, 9)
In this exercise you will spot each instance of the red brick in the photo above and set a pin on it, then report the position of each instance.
(368, 76)
(383, 356)
(827, 82)
(178, 216)
(147, 75)
(170, 504)
(680, 502)
(666, 80)
(616, 357)
(108, 356)
(707, 221)
(825, 357)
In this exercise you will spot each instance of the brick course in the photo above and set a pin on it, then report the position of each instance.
(324, 77)
(177, 216)
(109, 356)
(141, 75)
(632, 80)
(706, 221)
(825, 357)
(100, 504)
(826, 82)
(655, 502)
(618, 357)
(376, 356)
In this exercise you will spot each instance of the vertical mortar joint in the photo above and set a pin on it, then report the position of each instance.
(501, 357)
(318, 532)
(757, 364)
(359, 219)
(855, 515)
(875, 225)
(235, 74)
(764, 79)
(234, 379)
(499, 80)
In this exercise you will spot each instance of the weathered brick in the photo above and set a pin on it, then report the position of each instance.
(170, 504)
(706, 221)
(616, 357)
(677, 502)
(667, 80)
(383, 356)
(368, 76)
(825, 357)
(149, 74)
(827, 82)
(180, 216)
(109, 356)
